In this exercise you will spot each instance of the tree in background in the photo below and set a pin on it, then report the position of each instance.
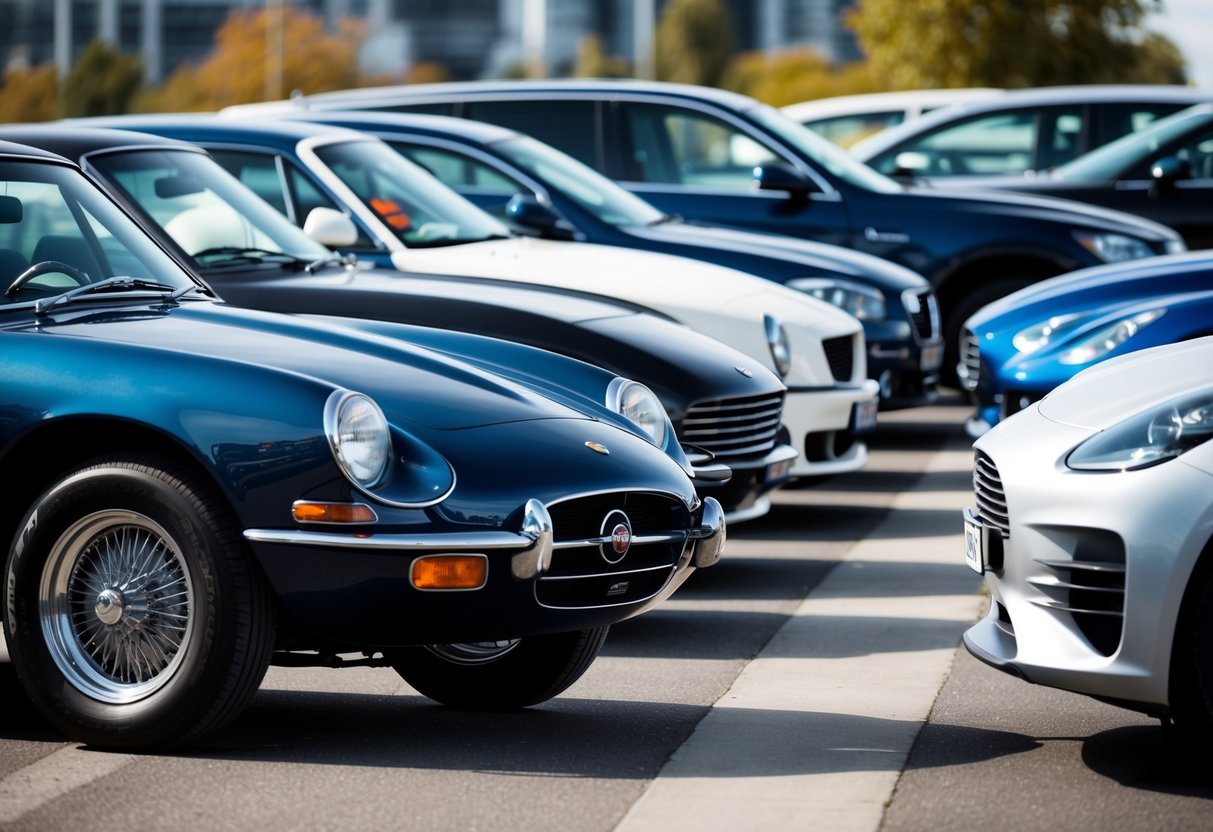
(102, 82)
(795, 75)
(592, 62)
(30, 94)
(312, 60)
(1010, 43)
(694, 42)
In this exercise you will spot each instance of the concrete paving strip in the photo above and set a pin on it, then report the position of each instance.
(817, 729)
(53, 776)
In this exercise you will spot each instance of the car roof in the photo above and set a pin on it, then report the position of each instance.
(480, 132)
(876, 102)
(73, 141)
(1042, 96)
(18, 149)
(281, 133)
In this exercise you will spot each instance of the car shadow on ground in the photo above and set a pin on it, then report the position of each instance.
(1150, 757)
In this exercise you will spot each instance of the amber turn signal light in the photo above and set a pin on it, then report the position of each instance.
(450, 572)
(308, 512)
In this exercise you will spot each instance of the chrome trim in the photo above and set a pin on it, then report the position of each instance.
(638, 489)
(912, 300)
(1060, 607)
(374, 515)
(638, 540)
(483, 584)
(780, 453)
(536, 527)
(474, 541)
(709, 535)
(668, 567)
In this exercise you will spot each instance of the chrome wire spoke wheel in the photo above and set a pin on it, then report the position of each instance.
(116, 605)
(473, 652)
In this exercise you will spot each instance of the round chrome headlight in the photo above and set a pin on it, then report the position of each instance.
(777, 340)
(640, 406)
(359, 436)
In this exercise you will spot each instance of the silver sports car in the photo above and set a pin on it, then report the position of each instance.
(1093, 527)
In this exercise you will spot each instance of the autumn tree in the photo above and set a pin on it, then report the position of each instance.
(102, 81)
(243, 68)
(29, 94)
(794, 75)
(693, 42)
(593, 62)
(1010, 43)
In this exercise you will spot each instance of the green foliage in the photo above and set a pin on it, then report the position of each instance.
(694, 42)
(1010, 43)
(29, 94)
(101, 82)
(792, 76)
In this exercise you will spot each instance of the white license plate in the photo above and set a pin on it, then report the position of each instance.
(863, 416)
(932, 357)
(777, 471)
(975, 557)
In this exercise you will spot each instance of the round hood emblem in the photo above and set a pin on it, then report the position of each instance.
(617, 534)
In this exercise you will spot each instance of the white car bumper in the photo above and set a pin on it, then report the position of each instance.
(819, 422)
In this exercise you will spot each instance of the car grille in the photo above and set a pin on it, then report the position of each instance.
(580, 576)
(1090, 587)
(991, 500)
(923, 309)
(970, 358)
(734, 427)
(840, 353)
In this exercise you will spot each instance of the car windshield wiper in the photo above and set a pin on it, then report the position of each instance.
(240, 254)
(121, 284)
(344, 260)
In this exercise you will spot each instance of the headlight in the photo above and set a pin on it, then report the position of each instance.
(864, 302)
(777, 340)
(1113, 248)
(1107, 338)
(1148, 438)
(637, 403)
(1037, 337)
(358, 434)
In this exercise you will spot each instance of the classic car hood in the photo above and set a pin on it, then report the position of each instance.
(1088, 290)
(1107, 393)
(922, 201)
(814, 259)
(408, 382)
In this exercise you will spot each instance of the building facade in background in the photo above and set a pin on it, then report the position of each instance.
(471, 38)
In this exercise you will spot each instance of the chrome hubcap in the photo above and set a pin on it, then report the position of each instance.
(116, 606)
(474, 652)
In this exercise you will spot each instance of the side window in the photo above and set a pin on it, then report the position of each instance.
(258, 171)
(457, 170)
(571, 126)
(846, 130)
(305, 196)
(685, 147)
(1120, 119)
(1196, 150)
(1061, 137)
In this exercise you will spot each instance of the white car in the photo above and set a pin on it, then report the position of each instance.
(406, 219)
(845, 119)
(1093, 527)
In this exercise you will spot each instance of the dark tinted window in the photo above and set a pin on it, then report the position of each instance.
(571, 126)
(428, 109)
(1116, 120)
(258, 171)
(457, 170)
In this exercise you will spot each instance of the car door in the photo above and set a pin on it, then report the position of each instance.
(700, 165)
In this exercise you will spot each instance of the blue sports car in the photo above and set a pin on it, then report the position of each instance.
(194, 491)
(1017, 349)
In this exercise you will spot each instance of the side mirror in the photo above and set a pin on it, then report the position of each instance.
(1168, 170)
(910, 163)
(330, 227)
(529, 213)
(780, 176)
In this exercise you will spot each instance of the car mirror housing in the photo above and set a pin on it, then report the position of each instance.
(1170, 169)
(529, 213)
(780, 176)
(330, 227)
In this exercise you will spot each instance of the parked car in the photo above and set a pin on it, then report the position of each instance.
(1021, 131)
(404, 218)
(539, 190)
(1092, 527)
(846, 119)
(193, 491)
(258, 258)
(1019, 348)
(1163, 172)
(695, 152)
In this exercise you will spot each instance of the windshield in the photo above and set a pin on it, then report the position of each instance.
(58, 232)
(419, 209)
(822, 151)
(209, 213)
(601, 197)
(1111, 161)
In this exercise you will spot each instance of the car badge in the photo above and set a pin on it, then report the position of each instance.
(616, 536)
(597, 448)
(744, 372)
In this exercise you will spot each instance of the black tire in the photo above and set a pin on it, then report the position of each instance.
(500, 676)
(961, 309)
(1192, 671)
(134, 617)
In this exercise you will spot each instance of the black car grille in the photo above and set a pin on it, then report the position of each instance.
(581, 576)
(970, 358)
(840, 353)
(991, 500)
(1090, 588)
(734, 427)
(926, 319)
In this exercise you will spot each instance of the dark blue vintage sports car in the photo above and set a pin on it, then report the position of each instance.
(194, 491)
